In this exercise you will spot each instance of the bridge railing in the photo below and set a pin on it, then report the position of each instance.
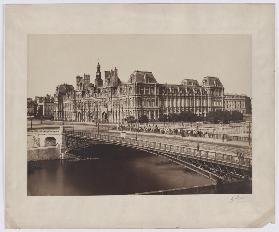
(171, 148)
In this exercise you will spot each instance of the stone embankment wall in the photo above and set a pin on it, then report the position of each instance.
(48, 153)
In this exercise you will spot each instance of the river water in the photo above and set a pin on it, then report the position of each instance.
(109, 170)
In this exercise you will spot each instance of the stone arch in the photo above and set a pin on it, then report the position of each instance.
(50, 141)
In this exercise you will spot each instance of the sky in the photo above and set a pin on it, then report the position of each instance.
(58, 59)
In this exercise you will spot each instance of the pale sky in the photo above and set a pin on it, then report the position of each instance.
(57, 59)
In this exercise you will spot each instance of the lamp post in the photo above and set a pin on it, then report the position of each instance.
(63, 119)
(249, 133)
(97, 116)
(223, 135)
(98, 126)
(137, 130)
(31, 120)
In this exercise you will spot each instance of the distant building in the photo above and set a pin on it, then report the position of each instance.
(41, 107)
(113, 101)
(65, 103)
(48, 107)
(31, 107)
(241, 103)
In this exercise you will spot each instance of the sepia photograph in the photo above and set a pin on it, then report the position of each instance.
(139, 114)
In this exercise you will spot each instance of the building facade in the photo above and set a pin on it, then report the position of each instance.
(31, 107)
(41, 107)
(48, 111)
(241, 103)
(112, 101)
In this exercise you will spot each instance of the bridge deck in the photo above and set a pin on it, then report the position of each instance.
(168, 149)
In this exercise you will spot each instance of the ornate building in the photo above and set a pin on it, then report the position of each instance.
(41, 107)
(31, 107)
(236, 102)
(113, 101)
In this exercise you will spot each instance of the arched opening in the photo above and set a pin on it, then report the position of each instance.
(152, 115)
(79, 117)
(50, 141)
(104, 117)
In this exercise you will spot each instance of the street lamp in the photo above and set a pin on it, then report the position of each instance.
(249, 133)
(98, 126)
(63, 119)
(137, 123)
(31, 120)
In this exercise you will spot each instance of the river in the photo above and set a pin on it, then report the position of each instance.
(108, 170)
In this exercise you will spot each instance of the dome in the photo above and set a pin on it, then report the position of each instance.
(211, 82)
(142, 77)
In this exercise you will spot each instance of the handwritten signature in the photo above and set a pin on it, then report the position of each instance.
(237, 197)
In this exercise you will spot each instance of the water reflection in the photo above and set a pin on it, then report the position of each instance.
(109, 170)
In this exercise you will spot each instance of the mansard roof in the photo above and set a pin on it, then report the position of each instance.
(142, 77)
(64, 88)
(209, 81)
(235, 95)
(190, 82)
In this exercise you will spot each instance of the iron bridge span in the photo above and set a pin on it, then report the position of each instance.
(220, 167)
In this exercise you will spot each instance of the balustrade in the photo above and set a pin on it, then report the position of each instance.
(182, 151)
(167, 147)
(146, 144)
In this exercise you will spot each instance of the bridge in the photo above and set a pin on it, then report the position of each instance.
(45, 137)
(220, 167)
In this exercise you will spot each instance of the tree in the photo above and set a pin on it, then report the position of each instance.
(213, 117)
(226, 116)
(174, 117)
(236, 116)
(39, 111)
(163, 118)
(143, 119)
(223, 116)
(130, 119)
(187, 116)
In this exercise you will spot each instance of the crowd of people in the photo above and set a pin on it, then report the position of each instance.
(183, 132)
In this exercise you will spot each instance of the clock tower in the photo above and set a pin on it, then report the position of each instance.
(98, 79)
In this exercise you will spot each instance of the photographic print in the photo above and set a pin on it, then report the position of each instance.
(139, 114)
